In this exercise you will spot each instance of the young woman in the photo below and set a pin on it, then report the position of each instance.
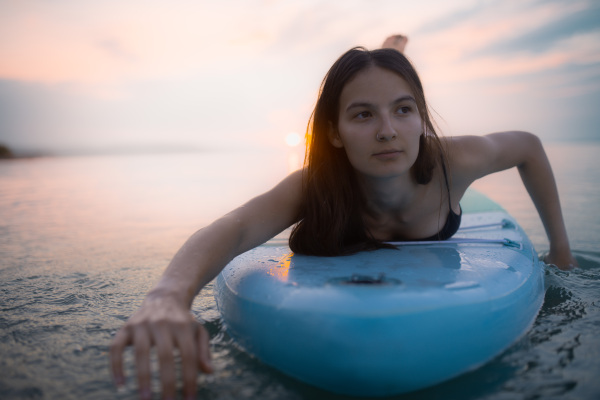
(376, 171)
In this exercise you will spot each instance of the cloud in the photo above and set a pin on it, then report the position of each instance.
(499, 41)
(453, 18)
(542, 38)
(115, 48)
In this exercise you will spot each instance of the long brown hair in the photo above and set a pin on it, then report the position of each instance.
(330, 220)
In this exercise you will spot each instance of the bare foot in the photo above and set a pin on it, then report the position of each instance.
(397, 42)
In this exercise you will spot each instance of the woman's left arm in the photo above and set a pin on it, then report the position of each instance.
(473, 157)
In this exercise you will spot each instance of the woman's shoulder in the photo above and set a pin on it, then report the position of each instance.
(497, 143)
(295, 178)
(288, 192)
(291, 185)
(472, 157)
(467, 157)
(467, 150)
(459, 144)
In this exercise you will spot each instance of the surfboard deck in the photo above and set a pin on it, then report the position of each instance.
(388, 321)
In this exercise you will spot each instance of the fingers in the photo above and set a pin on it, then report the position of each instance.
(567, 267)
(204, 357)
(142, 343)
(120, 341)
(189, 337)
(164, 349)
(189, 363)
(564, 261)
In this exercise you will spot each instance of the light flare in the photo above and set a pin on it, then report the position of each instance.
(293, 139)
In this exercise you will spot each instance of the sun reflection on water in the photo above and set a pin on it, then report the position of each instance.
(282, 270)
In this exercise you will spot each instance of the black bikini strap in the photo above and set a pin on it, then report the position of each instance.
(447, 183)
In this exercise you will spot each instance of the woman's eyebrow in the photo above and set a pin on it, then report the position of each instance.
(359, 105)
(364, 104)
(404, 98)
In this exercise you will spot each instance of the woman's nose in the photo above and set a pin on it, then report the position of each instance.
(386, 131)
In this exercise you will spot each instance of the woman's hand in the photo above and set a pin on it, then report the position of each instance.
(563, 260)
(163, 321)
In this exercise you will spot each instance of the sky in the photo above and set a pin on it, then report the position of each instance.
(86, 76)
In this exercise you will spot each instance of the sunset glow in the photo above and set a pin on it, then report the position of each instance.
(125, 74)
(293, 139)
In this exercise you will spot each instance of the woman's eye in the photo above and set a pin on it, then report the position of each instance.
(403, 110)
(363, 115)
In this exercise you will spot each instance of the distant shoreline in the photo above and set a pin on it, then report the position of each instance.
(7, 153)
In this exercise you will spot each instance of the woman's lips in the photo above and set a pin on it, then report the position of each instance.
(387, 154)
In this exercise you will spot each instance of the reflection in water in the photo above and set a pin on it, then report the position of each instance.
(282, 270)
(73, 209)
(295, 159)
(295, 153)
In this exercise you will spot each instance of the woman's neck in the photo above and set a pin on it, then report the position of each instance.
(385, 196)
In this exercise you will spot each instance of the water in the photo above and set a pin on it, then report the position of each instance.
(82, 239)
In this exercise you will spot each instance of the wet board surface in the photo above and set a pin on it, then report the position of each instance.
(388, 321)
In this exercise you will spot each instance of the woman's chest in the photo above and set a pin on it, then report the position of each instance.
(425, 217)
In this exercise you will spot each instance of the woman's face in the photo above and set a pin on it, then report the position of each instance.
(378, 124)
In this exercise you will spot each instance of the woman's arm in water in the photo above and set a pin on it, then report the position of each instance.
(164, 320)
(473, 157)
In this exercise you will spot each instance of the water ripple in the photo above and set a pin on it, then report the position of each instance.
(66, 289)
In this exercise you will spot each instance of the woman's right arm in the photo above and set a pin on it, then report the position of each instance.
(164, 321)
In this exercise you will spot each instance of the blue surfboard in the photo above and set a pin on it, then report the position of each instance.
(388, 321)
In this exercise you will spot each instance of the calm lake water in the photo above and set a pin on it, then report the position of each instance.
(82, 239)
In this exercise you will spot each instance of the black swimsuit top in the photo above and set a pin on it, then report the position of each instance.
(452, 222)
